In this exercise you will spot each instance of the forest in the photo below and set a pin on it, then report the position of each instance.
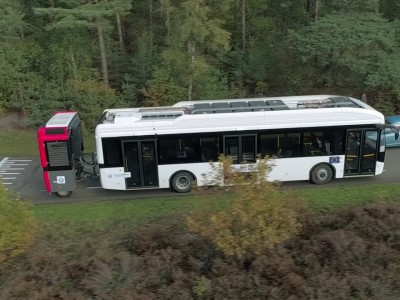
(89, 55)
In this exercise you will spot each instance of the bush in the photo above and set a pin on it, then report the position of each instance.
(17, 225)
(353, 255)
(349, 254)
(259, 217)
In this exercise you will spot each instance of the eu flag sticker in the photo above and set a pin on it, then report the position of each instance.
(334, 159)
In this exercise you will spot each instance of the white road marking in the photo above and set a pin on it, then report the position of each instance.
(3, 161)
(11, 159)
(17, 159)
(9, 166)
(8, 173)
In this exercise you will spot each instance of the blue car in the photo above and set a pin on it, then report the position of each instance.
(390, 136)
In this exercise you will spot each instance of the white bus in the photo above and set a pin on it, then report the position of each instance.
(315, 138)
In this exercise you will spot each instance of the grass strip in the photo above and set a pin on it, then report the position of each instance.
(144, 211)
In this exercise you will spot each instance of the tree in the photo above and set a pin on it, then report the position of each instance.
(89, 98)
(356, 6)
(347, 50)
(259, 217)
(92, 15)
(265, 66)
(390, 9)
(12, 24)
(162, 90)
(195, 38)
(18, 225)
(18, 84)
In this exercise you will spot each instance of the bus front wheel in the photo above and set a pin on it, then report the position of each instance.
(182, 182)
(63, 194)
(321, 174)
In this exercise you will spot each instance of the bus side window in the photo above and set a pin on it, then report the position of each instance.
(112, 152)
(209, 149)
(269, 145)
(232, 148)
(178, 150)
(289, 144)
(249, 149)
(316, 143)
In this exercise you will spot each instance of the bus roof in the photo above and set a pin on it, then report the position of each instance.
(60, 119)
(238, 114)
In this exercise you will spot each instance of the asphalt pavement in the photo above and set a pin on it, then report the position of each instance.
(25, 177)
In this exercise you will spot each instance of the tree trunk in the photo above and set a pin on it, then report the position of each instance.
(165, 9)
(243, 13)
(102, 46)
(192, 49)
(73, 64)
(151, 20)
(103, 56)
(120, 36)
(316, 13)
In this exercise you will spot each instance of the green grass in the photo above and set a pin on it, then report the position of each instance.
(321, 199)
(23, 143)
(136, 210)
(18, 143)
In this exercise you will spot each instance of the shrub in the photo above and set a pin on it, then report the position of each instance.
(259, 217)
(18, 225)
(353, 255)
(344, 255)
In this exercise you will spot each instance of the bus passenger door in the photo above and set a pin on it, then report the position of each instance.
(140, 161)
(241, 149)
(361, 152)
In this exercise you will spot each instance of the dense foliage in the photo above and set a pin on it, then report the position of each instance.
(88, 55)
(353, 253)
(258, 217)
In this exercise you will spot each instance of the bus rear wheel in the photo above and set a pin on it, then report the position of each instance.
(182, 182)
(321, 174)
(63, 194)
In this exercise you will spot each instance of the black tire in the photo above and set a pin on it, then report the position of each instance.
(63, 194)
(321, 174)
(182, 182)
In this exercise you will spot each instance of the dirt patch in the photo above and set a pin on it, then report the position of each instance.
(14, 121)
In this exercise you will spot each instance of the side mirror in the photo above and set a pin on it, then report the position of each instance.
(395, 130)
(392, 128)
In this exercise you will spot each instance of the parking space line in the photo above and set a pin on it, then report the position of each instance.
(3, 161)
(16, 159)
(8, 173)
(10, 169)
